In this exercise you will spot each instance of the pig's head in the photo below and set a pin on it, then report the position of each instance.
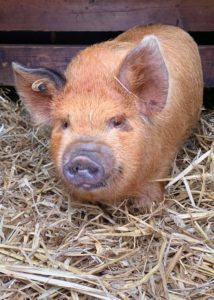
(97, 113)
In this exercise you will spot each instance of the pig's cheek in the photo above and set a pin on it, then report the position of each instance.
(128, 148)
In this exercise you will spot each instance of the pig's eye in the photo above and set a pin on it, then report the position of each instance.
(65, 124)
(119, 122)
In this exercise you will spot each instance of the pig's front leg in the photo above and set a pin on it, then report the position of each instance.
(151, 193)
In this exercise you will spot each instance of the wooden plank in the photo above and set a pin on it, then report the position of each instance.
(57, 57)
(207, 58)
(104, 15)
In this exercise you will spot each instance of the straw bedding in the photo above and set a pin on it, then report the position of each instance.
(54, 249)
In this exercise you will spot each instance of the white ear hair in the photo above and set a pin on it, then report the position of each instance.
(150, 38)
(151, 41)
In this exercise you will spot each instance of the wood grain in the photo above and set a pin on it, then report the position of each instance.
(57, 57)
(207, 58)
(104, 15)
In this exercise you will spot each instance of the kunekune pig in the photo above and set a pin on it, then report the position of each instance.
(120, 113)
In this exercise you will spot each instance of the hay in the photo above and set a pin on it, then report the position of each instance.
(53, 249)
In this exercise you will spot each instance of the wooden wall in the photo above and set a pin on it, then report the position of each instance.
(94, 16)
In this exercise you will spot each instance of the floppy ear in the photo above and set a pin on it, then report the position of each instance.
(144, 73)
(36, 87)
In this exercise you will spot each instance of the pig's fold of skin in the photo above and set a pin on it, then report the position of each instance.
(119, 113)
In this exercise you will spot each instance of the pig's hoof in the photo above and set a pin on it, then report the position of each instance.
(152, 194)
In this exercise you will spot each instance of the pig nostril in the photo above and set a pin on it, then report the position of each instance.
(78, 168)
(73, 170)
(93, 170)
(84, 168)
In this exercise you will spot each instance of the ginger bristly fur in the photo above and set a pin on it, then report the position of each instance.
(152, 77)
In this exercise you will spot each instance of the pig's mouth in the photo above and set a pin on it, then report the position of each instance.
(91, 187)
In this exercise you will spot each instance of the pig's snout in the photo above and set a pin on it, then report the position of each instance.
(88, 165)
(84, 171)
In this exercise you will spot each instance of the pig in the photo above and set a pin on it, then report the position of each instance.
(119, 113)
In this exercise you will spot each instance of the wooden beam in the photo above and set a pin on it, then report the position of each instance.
(207, 58)
(57, 57)
(104, 15)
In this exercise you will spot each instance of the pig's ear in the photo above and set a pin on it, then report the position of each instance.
(36, 87)
(144, 73)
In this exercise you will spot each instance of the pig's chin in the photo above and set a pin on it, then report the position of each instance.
(90, 187)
